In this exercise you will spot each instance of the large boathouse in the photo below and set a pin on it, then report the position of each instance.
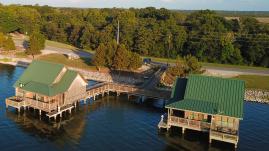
(207, 104)
(48, 87)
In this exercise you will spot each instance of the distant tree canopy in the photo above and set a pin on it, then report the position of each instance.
(147, 31)
(36, 43)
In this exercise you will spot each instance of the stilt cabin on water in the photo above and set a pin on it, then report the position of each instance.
(208, 104)
(48, 87)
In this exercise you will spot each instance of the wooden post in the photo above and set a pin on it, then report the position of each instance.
(183, 130)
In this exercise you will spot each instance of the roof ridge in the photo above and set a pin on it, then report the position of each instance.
(215, 77)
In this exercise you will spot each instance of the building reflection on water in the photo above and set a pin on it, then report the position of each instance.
(71, 128)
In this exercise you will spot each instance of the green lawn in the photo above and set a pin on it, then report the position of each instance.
(6, 60)
(164, 60)
(255, 82)
(66, 46)
(82, 63)
(59, 45)
(21, 54)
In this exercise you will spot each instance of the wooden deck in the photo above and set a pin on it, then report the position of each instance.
(19, 103)
(100, 89)
(128, 89)
(224, 134)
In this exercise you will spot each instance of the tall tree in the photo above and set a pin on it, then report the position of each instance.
(36, 44)
(2, 39)
(135, 61)
(120, 61)
(99, 56)
(9, 44)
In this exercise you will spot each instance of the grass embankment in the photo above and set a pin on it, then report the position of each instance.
(204, 64)
(82, 63)
(255, 81)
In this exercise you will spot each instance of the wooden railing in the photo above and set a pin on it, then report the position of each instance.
(15, 102)
(229, 128)
(123, 88)
(40, 105)
(223, 136)
(183, 122)
(24, 102)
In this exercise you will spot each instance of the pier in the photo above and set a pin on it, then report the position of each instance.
(53, 110)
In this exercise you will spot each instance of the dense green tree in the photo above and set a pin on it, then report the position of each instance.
(99, 56)
(121, 59)
(9, 44)
(192, 65)
(182, 68)
(2, 39)
(147, 31)
(229, 53)
(135, 61)
(142, 41)
(110, 52)
(36, 43)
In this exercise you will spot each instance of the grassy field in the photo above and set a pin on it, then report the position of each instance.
(255, 82)
(82, 63)
(260, 19)
(59, 45)
(6, 60)
(21, 54)
(164, 60)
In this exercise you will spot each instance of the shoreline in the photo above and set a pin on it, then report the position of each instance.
(257, 98)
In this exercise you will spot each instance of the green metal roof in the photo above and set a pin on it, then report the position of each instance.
(40, 75)
(178, 89)
(198, 106)
(213, 95)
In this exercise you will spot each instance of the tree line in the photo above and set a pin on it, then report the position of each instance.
(147, 31)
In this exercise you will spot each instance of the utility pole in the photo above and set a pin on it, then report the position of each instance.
(118, 33)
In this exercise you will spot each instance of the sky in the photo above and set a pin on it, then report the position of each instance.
(239, 5)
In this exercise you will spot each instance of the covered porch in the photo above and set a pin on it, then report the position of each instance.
(188, 120)
(24, 99)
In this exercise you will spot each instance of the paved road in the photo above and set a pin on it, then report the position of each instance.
(228, 71)
(238, 71)
(51, 49)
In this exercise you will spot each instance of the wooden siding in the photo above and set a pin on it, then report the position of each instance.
(76, 91)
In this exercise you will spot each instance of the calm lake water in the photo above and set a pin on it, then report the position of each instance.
(113, 123)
